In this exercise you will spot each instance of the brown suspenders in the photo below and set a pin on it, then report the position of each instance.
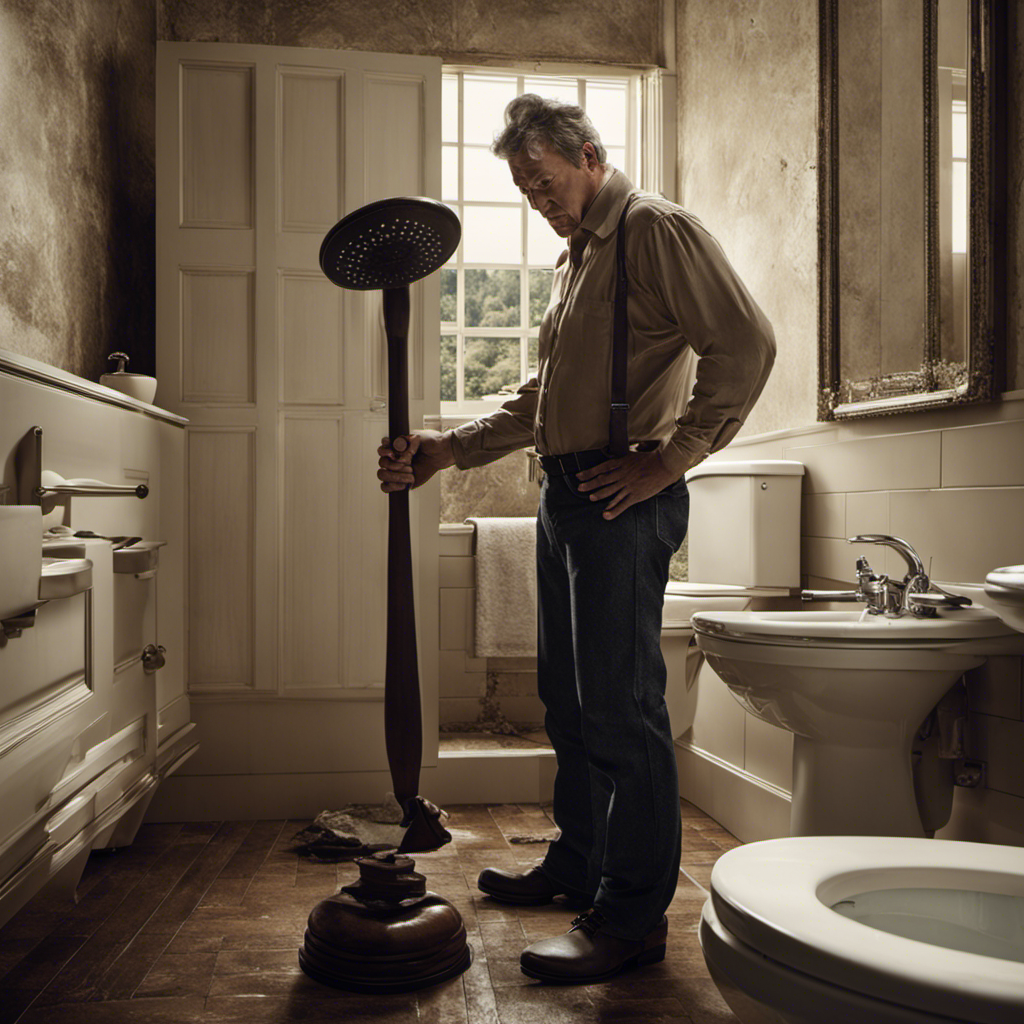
(618, 424)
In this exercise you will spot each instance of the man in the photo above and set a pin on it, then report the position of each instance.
(699, 351)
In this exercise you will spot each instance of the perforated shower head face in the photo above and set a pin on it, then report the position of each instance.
(390, 243)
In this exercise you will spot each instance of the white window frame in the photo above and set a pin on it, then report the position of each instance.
(645, 164)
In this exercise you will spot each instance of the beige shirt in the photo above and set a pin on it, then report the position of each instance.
(700, 349)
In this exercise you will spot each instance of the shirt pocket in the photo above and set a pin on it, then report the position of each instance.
(586, 331)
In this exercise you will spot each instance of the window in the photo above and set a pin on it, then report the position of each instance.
(496, 287)
(960, 183)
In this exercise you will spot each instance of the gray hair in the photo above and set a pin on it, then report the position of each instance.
(531, 120)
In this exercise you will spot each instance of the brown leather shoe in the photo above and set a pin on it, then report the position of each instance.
(526, 889)
(587, 953)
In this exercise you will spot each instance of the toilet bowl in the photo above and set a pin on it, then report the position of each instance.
(743, 552)
(856, 929)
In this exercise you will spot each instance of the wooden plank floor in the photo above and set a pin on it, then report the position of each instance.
(202, 923)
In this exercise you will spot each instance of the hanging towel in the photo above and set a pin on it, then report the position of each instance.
(506, 587)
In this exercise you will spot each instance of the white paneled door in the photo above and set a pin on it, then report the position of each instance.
(260, 151)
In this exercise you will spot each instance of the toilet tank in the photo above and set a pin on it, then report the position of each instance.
(745, 523)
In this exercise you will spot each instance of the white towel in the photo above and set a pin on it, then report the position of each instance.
(506, 587)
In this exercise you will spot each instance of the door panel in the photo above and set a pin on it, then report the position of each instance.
(260, 150)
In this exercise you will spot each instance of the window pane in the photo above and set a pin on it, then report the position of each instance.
(617, 157)
(449, 296)
(491, 235)
(959, 129)
(448, 369)
(489, 364)
(960, 206)
(450, 108)
(543, 245)
(483, 106)
(532, 357)
(449, 172)
(486, 177)
(492, 298)
(540, 296)
(564, 89)
(606, 106)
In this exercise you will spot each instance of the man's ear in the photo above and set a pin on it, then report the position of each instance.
(589, 154)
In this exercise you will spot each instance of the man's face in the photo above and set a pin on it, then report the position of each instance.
(560, 192)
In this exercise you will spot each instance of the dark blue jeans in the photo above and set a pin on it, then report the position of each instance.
(601, 676)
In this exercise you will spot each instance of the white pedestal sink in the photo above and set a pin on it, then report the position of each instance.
(853, 688)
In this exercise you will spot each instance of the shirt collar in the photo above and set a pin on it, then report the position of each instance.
(602, 216)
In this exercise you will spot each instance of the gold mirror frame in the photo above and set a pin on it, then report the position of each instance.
(935, 384)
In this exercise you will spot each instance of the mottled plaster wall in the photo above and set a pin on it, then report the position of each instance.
(570, 30)
(747, 81)
(77, 180)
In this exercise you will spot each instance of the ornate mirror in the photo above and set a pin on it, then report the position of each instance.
(911, 208)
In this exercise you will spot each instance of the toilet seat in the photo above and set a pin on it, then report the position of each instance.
(776, 898)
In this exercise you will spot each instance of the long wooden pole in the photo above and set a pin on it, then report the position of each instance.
(402, 718)
(403, 724)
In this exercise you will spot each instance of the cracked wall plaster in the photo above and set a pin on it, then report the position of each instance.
(77, 181)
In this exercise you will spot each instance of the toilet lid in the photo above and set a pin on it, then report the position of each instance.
(777, 897)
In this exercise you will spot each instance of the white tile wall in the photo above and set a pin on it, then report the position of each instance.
(824, 515)
(456, 571)
(995, 688)
(999, 742)
(832, 558)
(464, 679)
(872, 463)
(718, 725)
(768, 752)
(867, 512)
(456, 618)
(978, 456)
(461, 675)
(966, 532)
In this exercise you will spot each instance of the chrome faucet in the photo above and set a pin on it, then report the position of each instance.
(915, 594)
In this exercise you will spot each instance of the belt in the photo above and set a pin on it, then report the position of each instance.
(573, 462)
(576, 462)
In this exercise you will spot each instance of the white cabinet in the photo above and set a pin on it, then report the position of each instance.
(88, 726)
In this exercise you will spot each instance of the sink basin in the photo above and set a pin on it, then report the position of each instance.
(64, 577)
(1004, 593)
(857, 629)
(20, 532)
(853, 688)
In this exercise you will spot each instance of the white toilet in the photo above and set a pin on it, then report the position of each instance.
(744, 552)
(856, 929)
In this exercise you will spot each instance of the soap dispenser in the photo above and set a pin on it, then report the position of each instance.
(137, 385)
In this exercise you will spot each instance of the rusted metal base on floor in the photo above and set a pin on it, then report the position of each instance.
(385, 932)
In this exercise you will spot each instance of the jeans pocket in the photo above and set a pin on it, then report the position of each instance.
(572, 485)
(672, 508)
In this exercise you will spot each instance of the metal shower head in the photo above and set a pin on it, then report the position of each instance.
(390, 243)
